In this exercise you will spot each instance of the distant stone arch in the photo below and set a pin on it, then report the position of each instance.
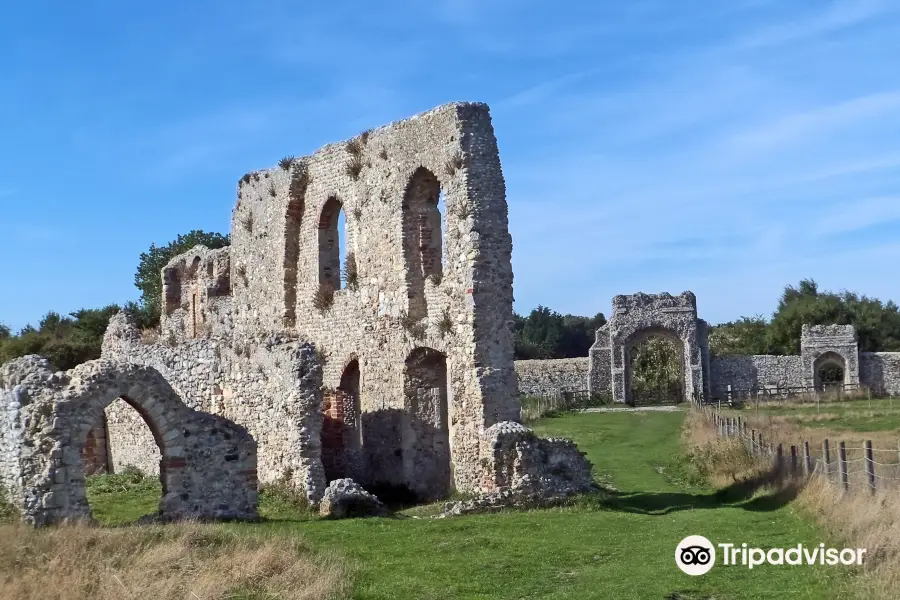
(640, 315)
(208, 464)
(824, 345)
(829, 369)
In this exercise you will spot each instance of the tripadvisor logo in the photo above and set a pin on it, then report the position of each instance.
(696, 555)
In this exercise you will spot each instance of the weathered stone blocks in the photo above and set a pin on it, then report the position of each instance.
(203, 456)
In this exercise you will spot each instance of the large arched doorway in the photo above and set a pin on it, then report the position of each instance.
(208, 464)
(426, 438)
(655, 368)
(129, 484)
(829, 371)
(342, 426)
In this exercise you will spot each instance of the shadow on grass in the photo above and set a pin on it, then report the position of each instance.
(780, 490)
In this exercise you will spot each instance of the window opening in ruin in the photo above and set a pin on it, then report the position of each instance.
(342, 243)
(209, 269)
(655, 367)
(341, 426)
(422, 238)
(426, 445)
(330, 244)
(115, 460)
(441, 216)
(829, 372)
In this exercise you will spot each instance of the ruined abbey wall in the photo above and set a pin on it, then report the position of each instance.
(412, 336)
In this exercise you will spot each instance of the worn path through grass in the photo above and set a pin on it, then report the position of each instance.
(619, 548)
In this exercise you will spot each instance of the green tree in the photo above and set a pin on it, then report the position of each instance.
(148, 278)
(747, 335)
(545, 333)
(66, 341)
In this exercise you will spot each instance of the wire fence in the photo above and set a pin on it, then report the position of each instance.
(733, 395)
(849, 466)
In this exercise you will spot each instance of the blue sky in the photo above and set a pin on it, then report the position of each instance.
(729, 148)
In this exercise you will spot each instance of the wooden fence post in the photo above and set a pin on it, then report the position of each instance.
(793, 459)
(779, 459)
(807, 460)
(845, 476)
(753, 442)
(870, 466)
(826, 459)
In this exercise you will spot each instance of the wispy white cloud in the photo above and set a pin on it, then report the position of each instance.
(819, 121)
(838, 15)
(856, 215)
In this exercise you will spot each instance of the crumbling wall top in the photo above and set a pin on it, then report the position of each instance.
(810, 333)
(641, 301)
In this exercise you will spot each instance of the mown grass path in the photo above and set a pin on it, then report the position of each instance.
(622, 548)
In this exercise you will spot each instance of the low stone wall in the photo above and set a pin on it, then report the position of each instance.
(550, 377)
(208, 466)
(761, 370)
(880, 371)
(269, 384)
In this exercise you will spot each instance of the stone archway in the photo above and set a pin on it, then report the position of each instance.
(643, 314)
(208, 465)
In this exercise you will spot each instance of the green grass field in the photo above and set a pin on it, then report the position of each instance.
(621, 546)
(881, 415)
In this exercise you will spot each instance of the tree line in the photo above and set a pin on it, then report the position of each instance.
(68, 340)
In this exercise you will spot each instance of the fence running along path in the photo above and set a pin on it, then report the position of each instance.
(846, 466)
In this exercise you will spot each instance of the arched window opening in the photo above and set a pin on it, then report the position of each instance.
(341, 426)
(422, 238)
(426, 447)
(330, 244)
(655, 367)
(116, 461)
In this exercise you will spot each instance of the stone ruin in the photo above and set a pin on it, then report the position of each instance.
(208, 464)
(392, 368)
(606, 371)
(633, 319)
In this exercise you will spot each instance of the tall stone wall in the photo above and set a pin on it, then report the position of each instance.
(550, 377)
(427, 272)
(880, 371)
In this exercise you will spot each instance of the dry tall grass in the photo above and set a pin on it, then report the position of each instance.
(856, 519)
(197, 562)
(790, 430)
